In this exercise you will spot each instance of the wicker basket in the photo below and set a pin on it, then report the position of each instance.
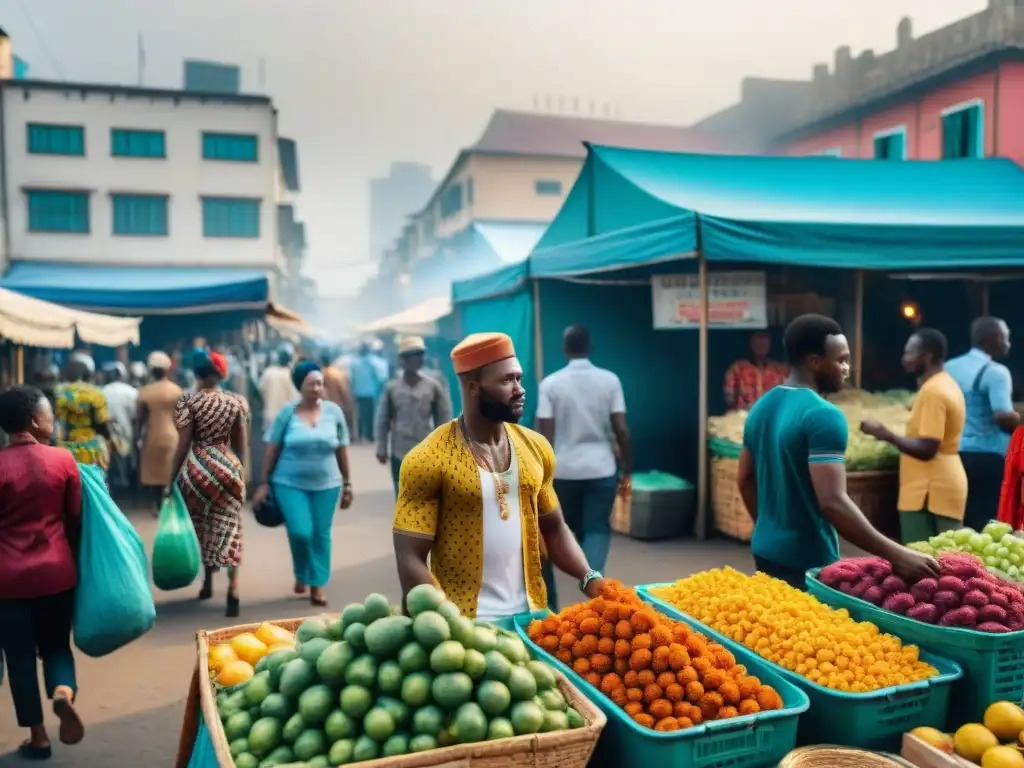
(876, 493)
(730, 513)
(566, 749)
(827, 756)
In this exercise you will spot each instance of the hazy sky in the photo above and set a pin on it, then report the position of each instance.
(360, 83)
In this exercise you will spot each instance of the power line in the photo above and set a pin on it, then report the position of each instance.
(41, 40)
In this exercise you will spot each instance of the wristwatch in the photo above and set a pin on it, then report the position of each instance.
(588, 577)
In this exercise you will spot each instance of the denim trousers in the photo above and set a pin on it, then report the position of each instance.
(308, 517)
(587, 506)
(364, 417)
(32, 628)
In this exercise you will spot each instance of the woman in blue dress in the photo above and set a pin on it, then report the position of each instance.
(306, 468)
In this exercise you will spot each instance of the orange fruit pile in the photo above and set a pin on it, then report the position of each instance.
(663, 674)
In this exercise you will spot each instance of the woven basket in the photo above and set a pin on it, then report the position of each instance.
(566, 749)
(876, 493)
(730, 513)
(827, 756)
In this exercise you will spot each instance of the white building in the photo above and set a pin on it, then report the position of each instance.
(111, 176)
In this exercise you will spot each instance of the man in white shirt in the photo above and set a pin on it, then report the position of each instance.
(121, 399)
(276, 388)
(582, 412)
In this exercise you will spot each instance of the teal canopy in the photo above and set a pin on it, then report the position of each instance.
(631, 208)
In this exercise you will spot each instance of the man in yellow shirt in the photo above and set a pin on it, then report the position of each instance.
(477, 496)
(933, 484)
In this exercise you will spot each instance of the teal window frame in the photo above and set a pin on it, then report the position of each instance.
(548, 187)
(963, 131)
(55, 139)
(231, 217)
(451, 201)
(891, 144)
(231, 147)
(139, 215)
(58, 211)
(138, 142)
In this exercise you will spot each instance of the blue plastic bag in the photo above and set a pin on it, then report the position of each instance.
(176, 555)
(113, 601)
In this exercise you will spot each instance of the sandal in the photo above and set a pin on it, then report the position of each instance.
(318, 600)
(72, 730)
(30, 751)
(300, 588)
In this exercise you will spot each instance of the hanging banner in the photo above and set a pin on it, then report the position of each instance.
(735, 300)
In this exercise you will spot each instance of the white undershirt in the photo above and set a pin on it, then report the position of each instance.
(503, 588)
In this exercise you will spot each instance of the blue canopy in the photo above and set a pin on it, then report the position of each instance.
(140, 290)
(634, 207)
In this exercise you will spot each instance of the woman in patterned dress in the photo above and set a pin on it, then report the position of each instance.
(81, 410)
(212, 427)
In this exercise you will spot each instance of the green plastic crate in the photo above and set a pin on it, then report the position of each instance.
(875, 720)
(751, 741)
(993, 664)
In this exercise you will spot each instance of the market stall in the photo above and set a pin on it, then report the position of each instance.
(636, 217)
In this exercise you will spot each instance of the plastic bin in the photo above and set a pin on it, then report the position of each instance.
(751, 741)
(656, 515)
(993, 664)
(875, 720)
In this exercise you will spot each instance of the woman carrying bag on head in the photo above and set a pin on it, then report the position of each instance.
(306, 468)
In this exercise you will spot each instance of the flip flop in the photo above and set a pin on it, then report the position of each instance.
(72, 730)
(29, 751)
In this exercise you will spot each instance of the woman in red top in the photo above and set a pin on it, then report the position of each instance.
(40, 516)
(1011, 499)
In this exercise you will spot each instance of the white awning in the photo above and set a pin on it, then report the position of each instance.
(38, 323)
(420, 319)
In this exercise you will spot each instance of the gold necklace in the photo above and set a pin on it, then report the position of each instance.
(501, 486)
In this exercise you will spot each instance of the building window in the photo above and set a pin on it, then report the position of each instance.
(470, 192)
(548, 187)
(891, 145)
(451, 201)
(46, 139)
(238, 147)
(963, 131)
(139, 214)
(51, 210)
(126, 142)
(231, 217)
(833, 152)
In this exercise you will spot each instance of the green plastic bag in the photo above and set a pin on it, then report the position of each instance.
(176, 555)
(659, 481)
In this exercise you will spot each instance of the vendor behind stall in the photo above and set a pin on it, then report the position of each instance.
(749, 378)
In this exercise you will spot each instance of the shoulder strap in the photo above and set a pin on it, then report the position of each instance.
(976, 386)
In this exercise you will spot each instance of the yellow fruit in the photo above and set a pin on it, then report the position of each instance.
(281, 647)
(796, 631)
(1002, 757)
(1005, 719)
(221, 655)
(271, 634)
(234, 672)
(934, 737)
(972, 740)
(249, 647)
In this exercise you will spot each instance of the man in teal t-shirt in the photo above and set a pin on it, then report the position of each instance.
(792, 475)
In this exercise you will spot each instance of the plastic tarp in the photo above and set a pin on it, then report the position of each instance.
(631, 207)
(141, 290)
(420, 319)
(37, 323)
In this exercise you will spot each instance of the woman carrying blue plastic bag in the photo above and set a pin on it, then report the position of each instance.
(40, 519)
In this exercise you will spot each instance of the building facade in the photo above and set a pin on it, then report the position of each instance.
(211, 77)
(125, 176)
(395, 197)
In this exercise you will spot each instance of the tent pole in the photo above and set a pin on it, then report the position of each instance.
(19, 364)
(702, 404)
(538, 336)
(858, 331)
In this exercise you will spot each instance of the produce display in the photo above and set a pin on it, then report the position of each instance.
(862, 451)
(996, 545)
(372, 684)
(996, 743)
(794, 630)
(660, 672)
(965, 595)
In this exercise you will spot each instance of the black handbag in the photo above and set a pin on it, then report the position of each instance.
(267, 512)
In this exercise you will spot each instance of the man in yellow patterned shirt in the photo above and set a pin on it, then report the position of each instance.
(476, 497)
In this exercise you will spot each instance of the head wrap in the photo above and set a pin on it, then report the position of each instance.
(302, 370)
(158, 361)
(220, 364)
(480, 349)
(83, 359)
(206, 363)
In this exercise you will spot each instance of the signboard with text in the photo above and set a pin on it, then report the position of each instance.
(735, 300)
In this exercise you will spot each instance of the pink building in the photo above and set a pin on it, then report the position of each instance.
(953, 93)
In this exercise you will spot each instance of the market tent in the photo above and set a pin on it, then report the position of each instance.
(420, 319)
(141, 290)
(32, 322)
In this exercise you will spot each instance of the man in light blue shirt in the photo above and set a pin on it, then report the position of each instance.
(988, 392)
(366, 386)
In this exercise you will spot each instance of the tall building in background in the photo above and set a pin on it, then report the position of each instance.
(403, 192)
(212, 77)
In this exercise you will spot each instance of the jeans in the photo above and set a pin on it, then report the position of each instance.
(984, 483)
(587, 506)
(792, 576)
(308, 517)
(364, 413)
(34, 627)
(396, 469)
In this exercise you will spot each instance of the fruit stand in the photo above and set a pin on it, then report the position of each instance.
(872, 481)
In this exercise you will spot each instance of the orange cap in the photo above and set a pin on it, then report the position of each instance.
(480, 349)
